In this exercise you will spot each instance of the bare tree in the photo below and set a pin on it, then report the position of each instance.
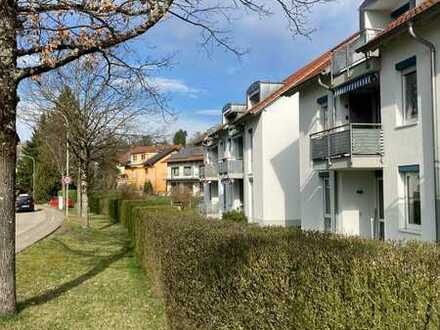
(53, 33)
(98, 108)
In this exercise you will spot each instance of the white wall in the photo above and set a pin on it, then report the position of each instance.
(310, 183)
(280, 162)
(408, 145)
(253, 172)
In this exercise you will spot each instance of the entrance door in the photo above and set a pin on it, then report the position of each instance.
(379, 223)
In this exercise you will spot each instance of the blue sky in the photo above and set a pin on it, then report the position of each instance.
(198, 85)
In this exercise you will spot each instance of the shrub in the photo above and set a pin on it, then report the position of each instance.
(223, 275)
(125, 207)
(234, 216)
(148, 188)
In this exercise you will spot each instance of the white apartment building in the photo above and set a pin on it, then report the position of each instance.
(358, 128)
(184, 171)
(251, 159)
(366, 127)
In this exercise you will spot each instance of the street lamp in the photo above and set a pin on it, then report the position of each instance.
(66, 184)
(33, 173)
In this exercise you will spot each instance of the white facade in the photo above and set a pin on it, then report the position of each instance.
(272, 170)
(264, 147)
(410, 144)
(348, 150)
(184, 176)
(369, 195)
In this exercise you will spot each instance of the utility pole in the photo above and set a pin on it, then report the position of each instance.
(66, 184)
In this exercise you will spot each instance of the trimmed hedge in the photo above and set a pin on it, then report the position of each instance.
(217, 275)
(234, 216)
(125, 207)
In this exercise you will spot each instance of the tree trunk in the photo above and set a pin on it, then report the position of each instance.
(84, 194)
(8, 150)
(79, 192)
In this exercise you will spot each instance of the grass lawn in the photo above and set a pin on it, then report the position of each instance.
(84, 279)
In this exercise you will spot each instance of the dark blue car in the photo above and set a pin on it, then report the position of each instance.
(24, 202)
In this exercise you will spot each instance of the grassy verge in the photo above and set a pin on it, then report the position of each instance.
(84, 279)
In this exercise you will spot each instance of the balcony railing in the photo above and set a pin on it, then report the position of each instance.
(347, 141)
(231, 167)
(210, 209)
(193, 176)
(346, 56)
(209, 171)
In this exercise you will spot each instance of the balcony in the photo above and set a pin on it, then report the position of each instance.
(191, 177)
(209, 172)
(231, 168)
(346, 57)
(349, 146)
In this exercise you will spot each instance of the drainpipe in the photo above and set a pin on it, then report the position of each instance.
(435, 141)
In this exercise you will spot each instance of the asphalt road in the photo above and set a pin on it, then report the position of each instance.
(33, 226)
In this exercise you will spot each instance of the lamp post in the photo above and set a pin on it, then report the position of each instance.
(66, 184)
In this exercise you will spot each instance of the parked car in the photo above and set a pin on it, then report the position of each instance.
(24, 202)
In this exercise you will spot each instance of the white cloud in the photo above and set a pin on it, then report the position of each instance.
(209, 112)
(167, 85)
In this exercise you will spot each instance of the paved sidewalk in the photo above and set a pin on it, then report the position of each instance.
(32, 227)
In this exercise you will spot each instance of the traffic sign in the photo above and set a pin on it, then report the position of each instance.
(67, 180)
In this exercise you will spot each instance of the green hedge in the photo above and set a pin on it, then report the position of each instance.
(125, 207)
(216, 275)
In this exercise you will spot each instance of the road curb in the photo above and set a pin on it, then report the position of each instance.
(52, 230)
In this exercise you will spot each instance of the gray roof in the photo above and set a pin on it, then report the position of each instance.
(189, 153)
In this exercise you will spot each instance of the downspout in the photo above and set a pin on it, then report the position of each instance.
(335, 178)
(435, 141)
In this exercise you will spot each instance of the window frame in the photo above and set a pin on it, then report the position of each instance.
(173, 169)
(190, 170)
(405, 177)
(326, 198)
(404, 120)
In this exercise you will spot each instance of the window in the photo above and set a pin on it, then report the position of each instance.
(175, 171)
(412, 198)
(410, 106)
(143, 156)
(251, 150)
(327, 204)
(135, 158)
(187, 171)
(325, 114)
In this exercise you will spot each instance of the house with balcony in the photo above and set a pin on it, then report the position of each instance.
(409, 47)
(184, 170)
(253, 157)
(342, 143)
(365, 140)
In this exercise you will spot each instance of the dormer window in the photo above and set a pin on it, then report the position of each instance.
(402, 9)
(259, 90)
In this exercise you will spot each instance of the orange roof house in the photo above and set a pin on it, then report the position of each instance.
(149, 164)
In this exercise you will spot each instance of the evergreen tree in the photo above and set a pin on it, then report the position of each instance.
(180, 137)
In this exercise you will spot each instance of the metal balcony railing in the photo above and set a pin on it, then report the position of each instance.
(347, 141)
(209, 171)
(346, 56)
(231, 167)
(210, 208)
